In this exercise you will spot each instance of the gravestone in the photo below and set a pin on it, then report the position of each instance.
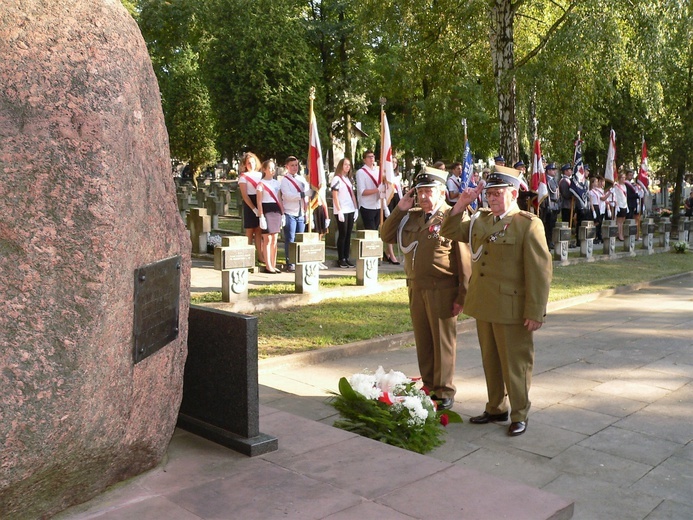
(609, 234)
(561, 240)
(183, 204)
(234, 258)
(683, 228)
(200, 225)
(587, 232)
(95, 291)
(369, 250)
(648, 235)
(307, 252)
(664, 233)
(629, 231)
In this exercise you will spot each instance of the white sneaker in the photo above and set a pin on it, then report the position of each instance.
(322, 266)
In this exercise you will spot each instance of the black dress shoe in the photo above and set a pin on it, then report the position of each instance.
(445, 403)
(517, 428)
(486, 417)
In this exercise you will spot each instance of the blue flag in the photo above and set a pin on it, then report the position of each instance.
(578, 167)
(467, 167)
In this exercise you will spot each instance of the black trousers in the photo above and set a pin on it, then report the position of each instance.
(549, 218)
(344, 236)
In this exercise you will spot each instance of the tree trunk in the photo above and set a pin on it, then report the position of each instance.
(348, 152)
(502, 53)
(684, 153)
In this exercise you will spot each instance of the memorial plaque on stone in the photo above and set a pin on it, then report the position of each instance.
(370, 248)
(306, 252)
(232, 258)
(157, 295)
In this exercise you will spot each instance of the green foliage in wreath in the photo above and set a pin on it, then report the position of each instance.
(392, 423)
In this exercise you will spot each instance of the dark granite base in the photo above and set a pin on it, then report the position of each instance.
(250, 446)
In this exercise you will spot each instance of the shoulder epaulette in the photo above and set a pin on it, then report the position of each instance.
(528, 215)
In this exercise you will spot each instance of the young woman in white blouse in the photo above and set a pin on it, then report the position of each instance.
(344, 207)
(271, 211)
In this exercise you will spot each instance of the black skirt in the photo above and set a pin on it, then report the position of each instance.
(250, 221)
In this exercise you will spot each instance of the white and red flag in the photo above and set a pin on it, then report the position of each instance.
(387, 171)
(316, 169)
(644, 171)
(610, 167)
(538, 181)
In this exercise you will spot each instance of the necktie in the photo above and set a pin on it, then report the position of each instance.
(428, 215)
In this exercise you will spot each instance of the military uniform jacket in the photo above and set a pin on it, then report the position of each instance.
(511, 265)
(430, 260)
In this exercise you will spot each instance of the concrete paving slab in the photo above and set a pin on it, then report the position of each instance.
(670, 510)
(491, 498)
(597, 500)
(661, 421)
(574, 419)
(632, 390)
(578, 460)
(543, 397)
(630, 445)
(301, 437)
(679, 364)
(672, 480)
(540, 439)
(367, 510)
(596, 401)
(563, 382)
(655, 378)
(592, 371)
(266, 492)
(154, 507)
(512, 464)
(377, 470)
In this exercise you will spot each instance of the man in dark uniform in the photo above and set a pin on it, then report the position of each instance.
(551, 204)
(508, 291)
(582, 206)
(564, 191)
(438, 273)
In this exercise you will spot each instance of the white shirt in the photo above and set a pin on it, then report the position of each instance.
(291, 196)
(596, 196)
(453, 185)
(250, 186)
(620, 194)
(364, 181)
(342, 189)
(273, 185)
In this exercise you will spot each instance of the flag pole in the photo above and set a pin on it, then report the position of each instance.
(572, 200)
(311, 96)
(382, 156)
(464, 155)
(531, 206)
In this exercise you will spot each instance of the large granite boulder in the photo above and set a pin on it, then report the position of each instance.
(86, 199)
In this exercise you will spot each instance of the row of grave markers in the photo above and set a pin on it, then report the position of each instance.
(234, 258)
(587, 233)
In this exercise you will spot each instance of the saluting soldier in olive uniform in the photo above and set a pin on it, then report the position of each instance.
(438, 273)
(508, 291)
